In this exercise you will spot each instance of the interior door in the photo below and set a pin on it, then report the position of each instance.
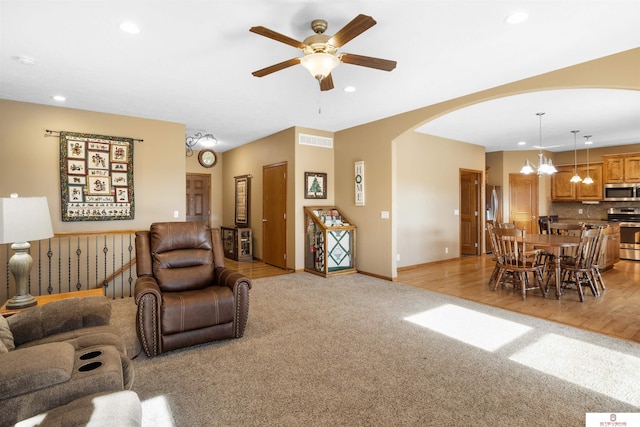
(469, 212)
(523, 201)
(274, 215)
(198, 197)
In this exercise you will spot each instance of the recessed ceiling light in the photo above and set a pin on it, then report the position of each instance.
(25, 60)
(58, 98)
(349, 89)
(522, 143)
(129, 27)
(517, 17)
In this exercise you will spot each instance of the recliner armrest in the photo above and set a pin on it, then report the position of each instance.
(146, 285)
(33, 368)
(231, 279)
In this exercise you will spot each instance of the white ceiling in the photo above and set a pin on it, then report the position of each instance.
(192, 64)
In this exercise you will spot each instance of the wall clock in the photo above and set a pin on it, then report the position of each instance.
(207, 158)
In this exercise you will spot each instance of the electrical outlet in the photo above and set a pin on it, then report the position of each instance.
(579, 211)
(397, 257)
(176, 214)
(446, 250)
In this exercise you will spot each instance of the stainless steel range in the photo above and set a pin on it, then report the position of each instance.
(629, 219)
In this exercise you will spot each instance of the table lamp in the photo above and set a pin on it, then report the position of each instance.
(23, 219)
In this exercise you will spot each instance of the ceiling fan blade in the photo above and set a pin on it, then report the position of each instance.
(263, 31)
(276, 67)
(326, 83)
(357, 26)
(368, 61)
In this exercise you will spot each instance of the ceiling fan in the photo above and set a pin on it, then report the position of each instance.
(321, 54)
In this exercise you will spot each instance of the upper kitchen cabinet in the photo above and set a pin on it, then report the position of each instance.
(593, 191)
(621, 168)
(563, 190)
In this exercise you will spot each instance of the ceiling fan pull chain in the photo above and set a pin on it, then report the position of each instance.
(319, 100)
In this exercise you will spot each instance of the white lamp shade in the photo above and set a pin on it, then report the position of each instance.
(24, 218)
(527, 168)
(320, 64)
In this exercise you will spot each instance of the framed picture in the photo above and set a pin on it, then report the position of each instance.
(315, 185)
(243, 193)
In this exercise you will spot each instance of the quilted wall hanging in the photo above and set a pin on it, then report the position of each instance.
(96, 177)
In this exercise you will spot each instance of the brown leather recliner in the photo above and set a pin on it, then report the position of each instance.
(184, 293)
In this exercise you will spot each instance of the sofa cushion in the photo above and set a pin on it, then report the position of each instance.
(60, 316)
(24, 371)
(6, 336)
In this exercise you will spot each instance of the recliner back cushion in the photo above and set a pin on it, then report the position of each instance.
(182, 255)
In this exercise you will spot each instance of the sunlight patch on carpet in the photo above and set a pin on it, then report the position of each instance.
(469, 326)
(156, 412)
(594, 367)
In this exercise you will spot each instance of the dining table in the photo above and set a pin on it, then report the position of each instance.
(553, 244)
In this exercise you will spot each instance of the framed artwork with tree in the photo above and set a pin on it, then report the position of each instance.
(315, 185)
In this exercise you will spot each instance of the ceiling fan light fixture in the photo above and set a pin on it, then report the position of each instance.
(320, 65)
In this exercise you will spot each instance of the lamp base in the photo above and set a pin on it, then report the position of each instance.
(21, 301)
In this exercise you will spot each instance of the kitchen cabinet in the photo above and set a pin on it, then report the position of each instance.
(330, 242)
(562, 189)
(621, 168)
(237, 243)
(593, 191)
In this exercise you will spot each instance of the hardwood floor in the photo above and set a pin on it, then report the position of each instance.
(255, 269)
(616, 312)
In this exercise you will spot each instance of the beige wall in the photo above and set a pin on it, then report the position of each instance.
(278, 148)
(250, 159)
(29, 164)
(374, 143)
(310, 159)
(427, 193)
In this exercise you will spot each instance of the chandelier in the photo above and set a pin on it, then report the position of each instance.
(207, 140)
(545, 166)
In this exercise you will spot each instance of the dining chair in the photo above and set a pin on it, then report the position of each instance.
(599, 256)
(515, 259)
(577, 271)
(566, 229)
(506, 277)
(506, 225)
(494, 255)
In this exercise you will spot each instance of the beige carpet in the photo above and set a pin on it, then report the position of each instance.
(358, 351)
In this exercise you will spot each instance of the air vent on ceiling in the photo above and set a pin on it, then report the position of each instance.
(316, 141)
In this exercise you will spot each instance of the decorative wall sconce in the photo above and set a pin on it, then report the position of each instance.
(208, 140)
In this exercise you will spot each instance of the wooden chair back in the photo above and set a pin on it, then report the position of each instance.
(565, 229)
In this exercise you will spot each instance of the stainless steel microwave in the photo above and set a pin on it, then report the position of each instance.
(621, 192)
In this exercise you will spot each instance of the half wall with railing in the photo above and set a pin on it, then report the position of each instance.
(79, 261)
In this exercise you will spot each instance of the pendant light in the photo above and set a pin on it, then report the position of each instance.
(575, 177)
(545, 166)
(588, 180)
